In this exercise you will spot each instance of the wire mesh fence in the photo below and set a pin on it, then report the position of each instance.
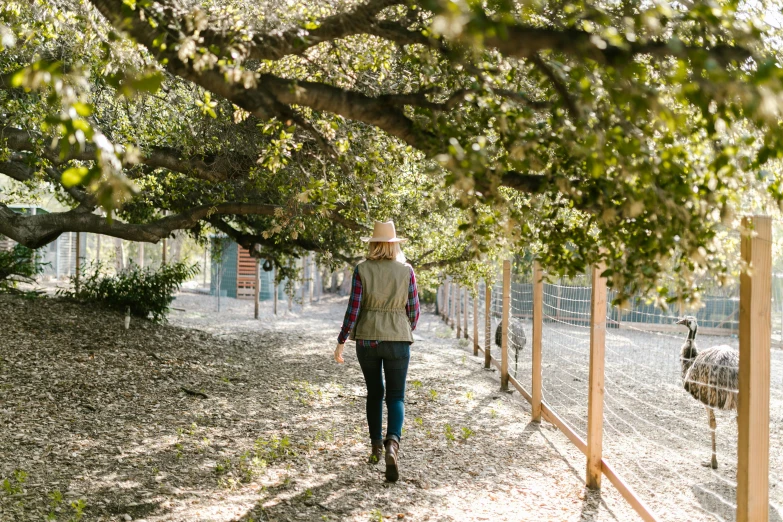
(663, 403)
(520, 330)
(776, 402)
(481, 308)
(655, 432)
(565, 350)
(776, 435)
(496, 315)
(471, 315)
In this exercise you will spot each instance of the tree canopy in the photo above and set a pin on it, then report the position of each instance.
(588, 131)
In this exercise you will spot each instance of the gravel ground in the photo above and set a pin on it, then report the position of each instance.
(655, 433)
(95, 422)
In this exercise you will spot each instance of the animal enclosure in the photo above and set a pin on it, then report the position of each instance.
(656, 437)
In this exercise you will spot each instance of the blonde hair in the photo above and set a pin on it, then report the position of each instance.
(385, 250)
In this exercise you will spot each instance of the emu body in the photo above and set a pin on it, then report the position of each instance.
(711, 376)
(516, 338)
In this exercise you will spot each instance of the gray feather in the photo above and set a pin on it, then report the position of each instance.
(517, 338)
(712, 376)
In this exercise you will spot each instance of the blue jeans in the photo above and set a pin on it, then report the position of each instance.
(390, 358)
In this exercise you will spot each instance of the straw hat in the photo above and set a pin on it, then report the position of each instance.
(384, 233)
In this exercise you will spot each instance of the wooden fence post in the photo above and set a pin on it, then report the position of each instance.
(488, 326)
(505, 315)
(754, 371)
(311, 280)
(257, 285)
(458, 303)
(475, 321)
(163, 257)
(450, 320)
(293, 289)
(595, 397)
(465, 316)
(538, 330)
(274, 291)
(304, 280)
(445, 313)
(449, 308)
(455, 303)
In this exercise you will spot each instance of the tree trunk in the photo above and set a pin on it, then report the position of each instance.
(119, 255)
(176, 248)
(325, 281)
(345, 287)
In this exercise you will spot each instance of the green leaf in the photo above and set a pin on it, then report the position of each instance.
(74, 176)
(149, 83)
(82, 109)
(17, 80)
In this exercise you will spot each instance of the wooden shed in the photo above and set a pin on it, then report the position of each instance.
(233, 272)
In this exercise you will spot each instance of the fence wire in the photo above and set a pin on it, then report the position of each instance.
(520, 332)
(565, 350)
(657, 434)
(659, 400)
(776, 403)
(496, 316)
(471, 316)
(776, 436)
(481, 297)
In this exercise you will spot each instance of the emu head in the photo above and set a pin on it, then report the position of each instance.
(688, 352)
(691, 323)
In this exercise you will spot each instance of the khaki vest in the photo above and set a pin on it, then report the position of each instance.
(382, 314)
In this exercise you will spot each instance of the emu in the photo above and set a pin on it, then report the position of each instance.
(710, 376)
(516, 338)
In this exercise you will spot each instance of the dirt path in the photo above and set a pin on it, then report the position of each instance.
(91, 413)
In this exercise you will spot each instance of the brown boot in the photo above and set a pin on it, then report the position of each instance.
(377, 452)
(392, 471)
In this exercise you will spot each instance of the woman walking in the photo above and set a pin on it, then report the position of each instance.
(382, 314)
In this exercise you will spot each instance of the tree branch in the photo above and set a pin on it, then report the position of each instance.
(16, 168)
(216, 167)
(558, 84)
(384, 112)
(350, 104)
(296, 41)
(260, 101)
(419, 265)
(40, 229)
(523, 41)
(249, 242)
(419, 99)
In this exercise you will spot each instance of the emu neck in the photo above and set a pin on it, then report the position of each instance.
(692, 334)
(687, 356)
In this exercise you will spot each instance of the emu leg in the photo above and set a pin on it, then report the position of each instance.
(713, 430)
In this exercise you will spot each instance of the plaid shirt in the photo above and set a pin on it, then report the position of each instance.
(352, 313)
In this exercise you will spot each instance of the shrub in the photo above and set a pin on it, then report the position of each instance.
(20, 264)
(146, 292)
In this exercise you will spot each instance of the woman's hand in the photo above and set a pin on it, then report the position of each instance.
(338, 354)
